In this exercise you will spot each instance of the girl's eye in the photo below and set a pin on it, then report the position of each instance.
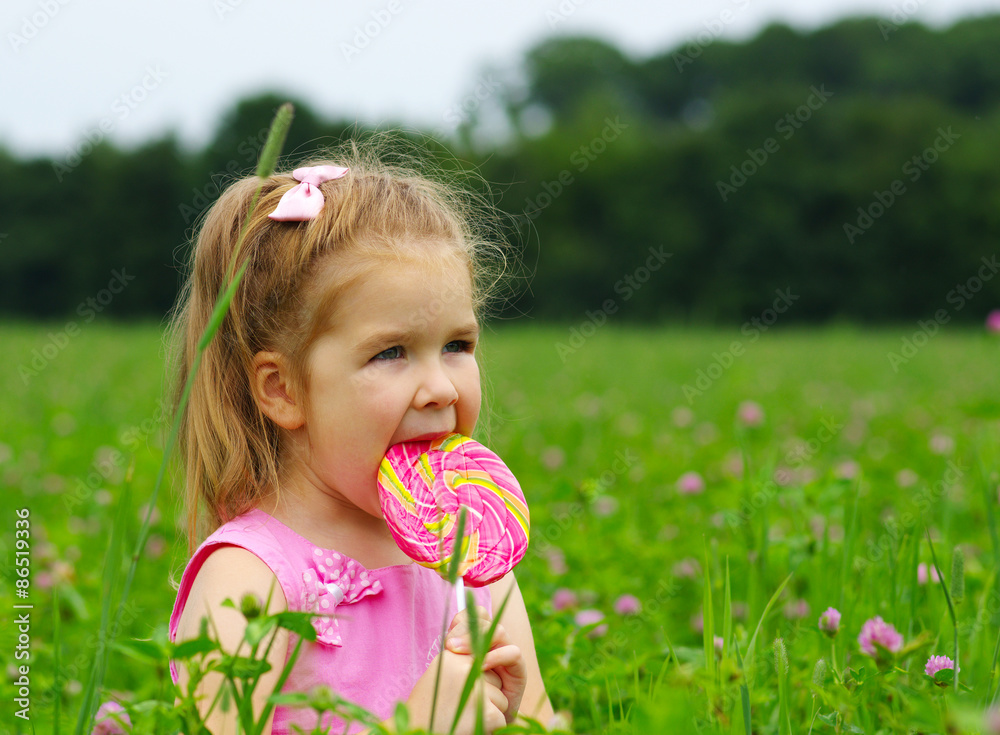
(393, 353)
(459, 345)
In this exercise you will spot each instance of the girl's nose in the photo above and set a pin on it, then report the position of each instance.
(436, 389)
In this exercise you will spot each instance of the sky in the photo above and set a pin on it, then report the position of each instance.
(133, 71)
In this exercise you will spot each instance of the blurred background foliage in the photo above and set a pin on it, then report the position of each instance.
(605, 157)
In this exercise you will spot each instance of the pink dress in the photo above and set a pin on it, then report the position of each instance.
(385, 636)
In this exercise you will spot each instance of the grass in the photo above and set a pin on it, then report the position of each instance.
(868, 460)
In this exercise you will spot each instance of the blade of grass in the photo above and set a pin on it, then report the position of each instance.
(947, 597)
(849, 538)
(457, 551)
(753, 640)
(781, 669)
(285, 672)
(993, 668)
(56, 643)
(708, 635)
(265, 167)
(607, 691)
(727, 616)
(670, 647)
(657, 681)
(272, 148)
(913, 574)
(744, 691)
(112, 570)
(991, 513)
(478, 653)
(453, 567)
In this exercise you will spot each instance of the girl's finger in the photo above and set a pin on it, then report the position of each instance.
(494, 697)
(509, 655)
(462, 619)
(459, 640)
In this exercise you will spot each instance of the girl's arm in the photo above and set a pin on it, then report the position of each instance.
(535, 702)
(231, 572)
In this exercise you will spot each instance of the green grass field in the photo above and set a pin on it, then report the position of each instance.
(857, 455)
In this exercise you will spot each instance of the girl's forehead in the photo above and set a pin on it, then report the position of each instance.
(429, 281)
(396, 285)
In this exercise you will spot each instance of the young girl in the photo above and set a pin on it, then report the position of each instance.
(354, 328)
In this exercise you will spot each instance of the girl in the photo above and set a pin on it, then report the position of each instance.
(355, 327)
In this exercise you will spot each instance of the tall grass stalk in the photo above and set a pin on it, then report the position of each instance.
(268, 160)
(751, 647)
(849, 538)
(56, 643)
(947, 597)
(480, 647)
(708, 638)
(990, 506)
(781, 669)
(727, 616)
(112, 571)
(452, 579)
(744, 691)
(993, 668)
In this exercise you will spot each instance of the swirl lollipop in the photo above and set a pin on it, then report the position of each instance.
(423, 484)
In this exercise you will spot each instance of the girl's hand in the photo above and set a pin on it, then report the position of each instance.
(503, 658)
(455, 669)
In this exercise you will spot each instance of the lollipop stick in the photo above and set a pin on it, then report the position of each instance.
(460, 593)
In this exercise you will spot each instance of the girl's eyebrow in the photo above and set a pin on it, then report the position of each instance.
(402, 336)
(468, 330)
(387, 337)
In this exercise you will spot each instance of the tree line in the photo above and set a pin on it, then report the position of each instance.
(853, 166)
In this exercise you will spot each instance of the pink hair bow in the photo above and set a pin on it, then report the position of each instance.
(304, 201)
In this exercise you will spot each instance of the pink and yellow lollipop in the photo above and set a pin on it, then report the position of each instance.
(423, 484)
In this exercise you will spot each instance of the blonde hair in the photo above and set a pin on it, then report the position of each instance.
(388, 202)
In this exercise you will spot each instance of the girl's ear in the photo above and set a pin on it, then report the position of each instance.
(273, 391)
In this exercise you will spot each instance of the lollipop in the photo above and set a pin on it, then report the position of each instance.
(423, 484)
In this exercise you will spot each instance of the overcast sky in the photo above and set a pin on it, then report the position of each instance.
(144, 67)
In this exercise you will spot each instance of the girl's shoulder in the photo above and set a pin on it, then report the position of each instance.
(227, 572)
(253, 547)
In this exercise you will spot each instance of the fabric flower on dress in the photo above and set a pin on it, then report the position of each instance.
(334, 580)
